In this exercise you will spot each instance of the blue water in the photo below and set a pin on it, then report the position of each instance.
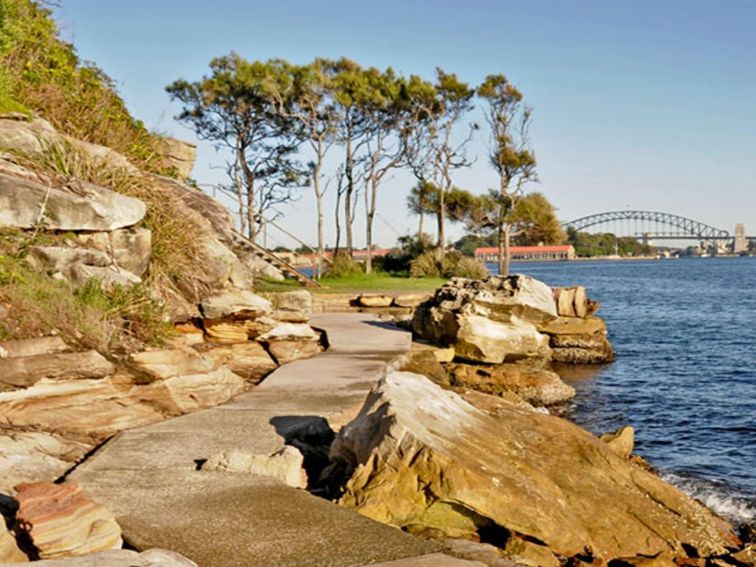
(685, 374)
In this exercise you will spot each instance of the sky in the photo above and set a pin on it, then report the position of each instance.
(638, 104)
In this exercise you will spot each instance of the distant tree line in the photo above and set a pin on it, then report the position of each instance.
(279, 121)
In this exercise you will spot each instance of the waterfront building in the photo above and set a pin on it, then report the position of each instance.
(540, 253)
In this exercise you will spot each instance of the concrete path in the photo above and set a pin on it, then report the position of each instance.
(148, 477)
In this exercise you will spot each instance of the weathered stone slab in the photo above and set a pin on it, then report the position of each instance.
(122, 558)
(25, 371)
(92, 208)
(9, 550)
(574, 326)
(374, 300)
(248, 359)
(239, 304)
(286, 465)
(167, 363)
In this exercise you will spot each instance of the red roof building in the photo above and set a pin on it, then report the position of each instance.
(538, 253)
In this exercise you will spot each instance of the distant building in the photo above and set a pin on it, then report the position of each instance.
(542, 253)
(740, 244)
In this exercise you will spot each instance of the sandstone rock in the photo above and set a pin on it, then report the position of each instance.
(290, 316)
(485, 340)
(90, 208)
(228, 330)
(410, 299)
(237, 304)
(581, 349)
(182, 394)
(444, 354)
(85, 410)
(524, 477)
(33, 456)
(300, 300)
(9, 550)
(374, 300)
(536, 386)
(424, 362)
(621, 441)
(290, 332)
(486, 554)
(25, 136)
(286, 465)
(61, 521)
(167, 363)
(573, 302)
(79, 265)
(495, 405)
(258, 267)
(24, 371)
(285, 351)
(177, 154)
(187, 334)
(32, 347)
(492, 320)
(122, 558)
(574, 326)
(130, 248)
(249, 359)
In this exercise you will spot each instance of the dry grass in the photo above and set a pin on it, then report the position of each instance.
(175, 264)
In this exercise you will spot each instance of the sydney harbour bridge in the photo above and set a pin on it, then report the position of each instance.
(649, 226)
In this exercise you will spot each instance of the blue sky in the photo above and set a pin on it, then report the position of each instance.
(646, 104)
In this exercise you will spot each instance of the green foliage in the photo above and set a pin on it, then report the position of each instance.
(431, 264)
(399, 259)
(120, 319)
(469, 242)
(535, 222)
(589, 245)
(343, 266)
(40, 72)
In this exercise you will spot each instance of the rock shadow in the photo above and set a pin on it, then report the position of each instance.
(312, 436)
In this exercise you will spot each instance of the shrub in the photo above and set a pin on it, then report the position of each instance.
(39, 71)
(343, 266)
(454, 264)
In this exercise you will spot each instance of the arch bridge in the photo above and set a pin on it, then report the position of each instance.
(653, 224)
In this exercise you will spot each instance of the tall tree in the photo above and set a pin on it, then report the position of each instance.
(381, 109)
(432, 147)
(313, 108)
(233, 108)
(350, 90)
(510, 155)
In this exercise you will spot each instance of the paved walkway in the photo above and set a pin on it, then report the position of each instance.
(148, 476)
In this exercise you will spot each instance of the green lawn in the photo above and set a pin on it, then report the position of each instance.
(371, 283)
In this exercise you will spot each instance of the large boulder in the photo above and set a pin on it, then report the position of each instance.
(24, 371)
(235, 304)
(61, 521)
(492, 320)
(26, 204)
(532, 484)
(130, 248)
(177, 154)
(9, 549)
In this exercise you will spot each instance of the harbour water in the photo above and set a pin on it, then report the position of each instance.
(685, 374)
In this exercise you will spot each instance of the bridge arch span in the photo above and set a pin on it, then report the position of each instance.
(676, 226)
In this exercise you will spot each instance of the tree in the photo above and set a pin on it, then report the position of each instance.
(509, 153)
(535, 222)
(313, 108)
(350, 90)
(460, 205)
(432, 150)
(381, 108)
(234, 107)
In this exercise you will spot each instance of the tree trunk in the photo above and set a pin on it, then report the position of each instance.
(420, 227)
(319, 207)
(338, 222)
(370, 204)
(442, 224)
(349, 173)
(504, 252)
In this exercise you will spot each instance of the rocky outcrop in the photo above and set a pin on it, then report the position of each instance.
(177, 154)
(537, 386)
(621, 441)
(492, 320)
(129, 248)
(248, 359)
(24, 371)
(531, 484)
(9, 549)
(577, 340)
(574, 302)
(59, 520)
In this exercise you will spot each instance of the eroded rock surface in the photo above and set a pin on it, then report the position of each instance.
(492, 320)
(529, 483)
(61, 521)
(286, 465)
